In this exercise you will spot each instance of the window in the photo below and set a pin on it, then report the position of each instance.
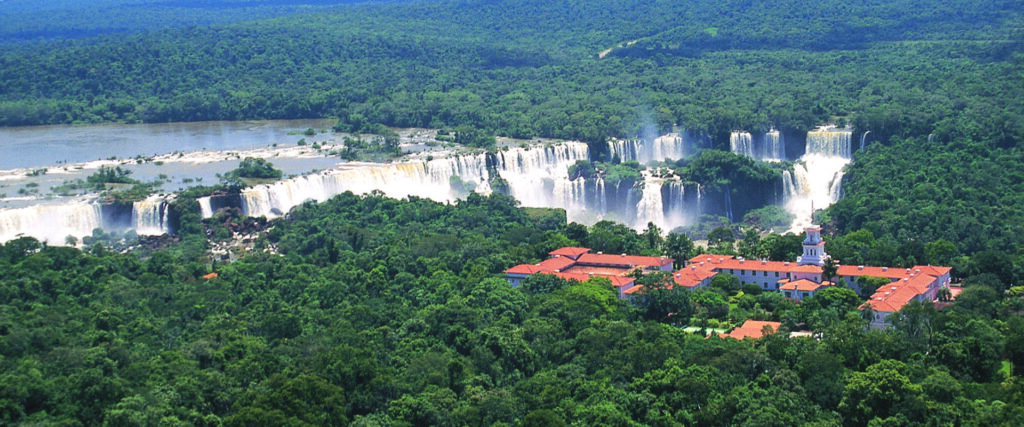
(789, 294)
(776, 274)
(766, 273)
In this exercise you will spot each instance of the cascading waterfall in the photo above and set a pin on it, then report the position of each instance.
(728, 203)
(650, 208)
(742, 143)
(774, 146)
(51, 223)
(829, 141)
(205, 207)
(863, 139)
(671, 146)
(818, 175)
(537, 177)
(149, 216)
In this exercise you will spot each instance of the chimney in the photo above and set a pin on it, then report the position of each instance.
(860, 267)
(693, 267)
(764, 262)
(678, 275)
(600, 253)
(885, 268)
(741, 260)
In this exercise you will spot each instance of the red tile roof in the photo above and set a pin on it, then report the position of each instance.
(803, 285)
(728, 261)
(692, 276)
(624, 260)
(569, 251)
(210, 276)
(617, 281)
(861, 270)
(557, 263)
(525, 269)
(892, 297)
(932, 270)
(752, 329)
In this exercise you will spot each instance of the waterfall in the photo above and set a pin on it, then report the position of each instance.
(537, 177)
(817, 181)
(149, 216)
(205, 208)
(700, 200)
(742, 143)
(728, 203)
(774, 146)
(651, 207)
(788, 187)
(51, 223)
(930, 137)
(829, 141)
(670, 146)
(863, 139)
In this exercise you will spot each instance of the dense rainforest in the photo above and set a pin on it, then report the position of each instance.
(374, 311)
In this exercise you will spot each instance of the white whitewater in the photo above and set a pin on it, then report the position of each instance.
(51, 223)
(829, 141)
(670, 146)
(774, 146)
(742, 143)
(651, 207)
(205, 208)
(537, 177)
(818, 175)
(149, 216)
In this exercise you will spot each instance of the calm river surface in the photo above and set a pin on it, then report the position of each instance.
(38, 146)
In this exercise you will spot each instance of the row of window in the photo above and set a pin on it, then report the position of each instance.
(754, 272)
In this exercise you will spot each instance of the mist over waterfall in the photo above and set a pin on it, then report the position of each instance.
(651, 207)
(537, 176)
(51, 223)
(817, 179)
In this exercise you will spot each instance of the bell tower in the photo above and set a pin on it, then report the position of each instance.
(814, 247)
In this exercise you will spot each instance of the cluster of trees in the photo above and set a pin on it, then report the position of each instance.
(969, 192)
(383, 311)
(708, 66)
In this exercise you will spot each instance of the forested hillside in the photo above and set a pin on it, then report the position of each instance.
(534, 68)
(374, 311)
(384, 312)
